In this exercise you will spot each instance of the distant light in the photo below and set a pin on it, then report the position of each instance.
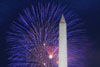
(44, 44)
(44, 64)
(50, 56)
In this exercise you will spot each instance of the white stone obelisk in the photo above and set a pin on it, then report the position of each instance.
(63, 43)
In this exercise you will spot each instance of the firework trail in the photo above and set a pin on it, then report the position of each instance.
(33, 38)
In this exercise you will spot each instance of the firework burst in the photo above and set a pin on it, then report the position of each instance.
(33, 38)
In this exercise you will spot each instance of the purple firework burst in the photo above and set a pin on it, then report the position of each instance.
(33, 38)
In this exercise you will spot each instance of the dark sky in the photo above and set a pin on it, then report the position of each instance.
(88, 10)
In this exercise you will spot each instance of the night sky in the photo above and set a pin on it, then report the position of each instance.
(88, 11)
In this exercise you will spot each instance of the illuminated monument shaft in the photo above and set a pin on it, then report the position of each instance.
(62, 43)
